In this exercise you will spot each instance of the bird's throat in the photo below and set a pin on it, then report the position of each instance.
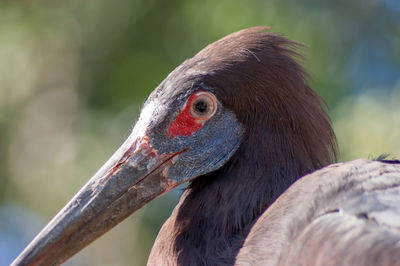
(218, 209)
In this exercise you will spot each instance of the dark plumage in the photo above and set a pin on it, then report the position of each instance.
(239, 122)
(257, 77)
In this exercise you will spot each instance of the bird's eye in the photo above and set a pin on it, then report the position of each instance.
(204, 105)
(200, 107)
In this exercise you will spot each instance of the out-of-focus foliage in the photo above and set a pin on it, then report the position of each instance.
(73, 75)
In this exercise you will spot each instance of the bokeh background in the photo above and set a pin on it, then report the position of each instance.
(73, 76)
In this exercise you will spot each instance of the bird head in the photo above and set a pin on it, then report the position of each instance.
(243, 85)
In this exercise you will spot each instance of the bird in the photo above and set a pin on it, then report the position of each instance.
(240, 124)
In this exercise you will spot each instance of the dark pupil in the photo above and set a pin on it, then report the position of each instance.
(201, 106)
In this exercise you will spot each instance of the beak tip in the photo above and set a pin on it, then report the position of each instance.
(135, 175)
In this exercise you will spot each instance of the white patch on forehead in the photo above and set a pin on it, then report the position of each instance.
(144, 120)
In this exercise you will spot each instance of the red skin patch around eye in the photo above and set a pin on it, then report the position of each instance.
(185, 124)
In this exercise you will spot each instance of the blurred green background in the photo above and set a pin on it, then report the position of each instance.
(73, 76)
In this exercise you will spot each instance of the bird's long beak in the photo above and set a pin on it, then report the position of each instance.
(133, 176)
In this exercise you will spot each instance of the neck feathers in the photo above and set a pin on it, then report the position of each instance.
(218, 209)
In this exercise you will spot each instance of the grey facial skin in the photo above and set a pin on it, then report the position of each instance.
(148, 164)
